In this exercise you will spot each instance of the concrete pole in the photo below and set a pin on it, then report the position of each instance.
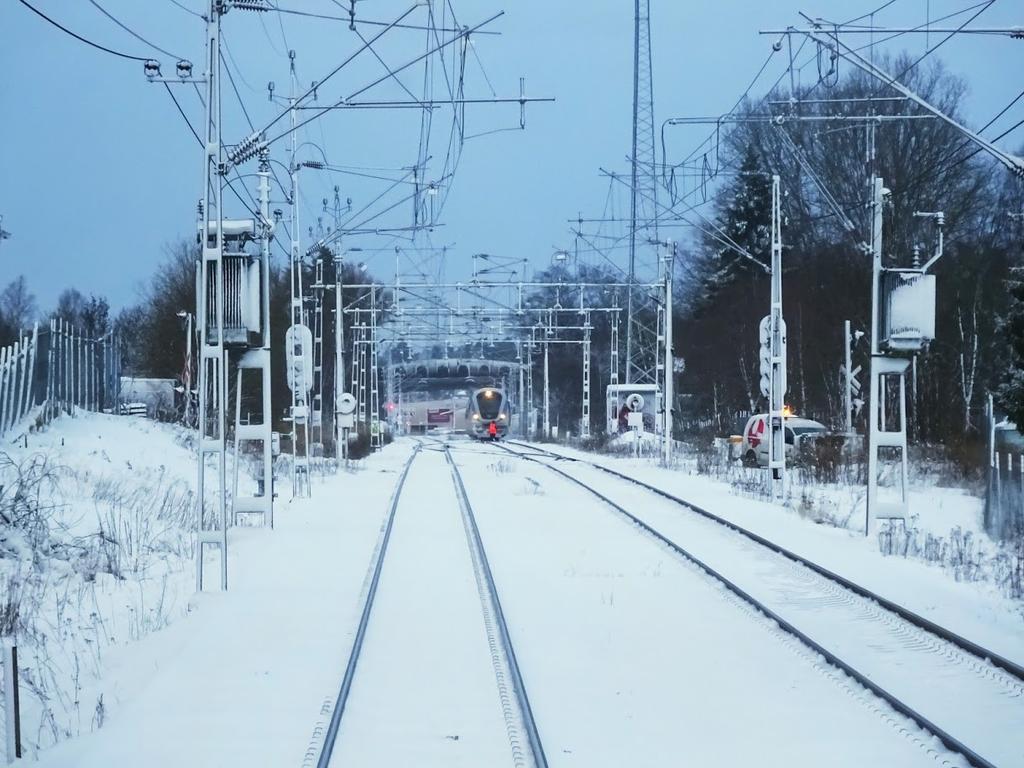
(522, 397)
(777, 342)
(669, 267)
(188, 369)
(547, 393)
(339, 352)
(876, 406)
(848, 378)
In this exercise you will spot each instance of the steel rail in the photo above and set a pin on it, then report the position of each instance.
(331, 735)
(1007, 665)
(947, 739)
(525, 710)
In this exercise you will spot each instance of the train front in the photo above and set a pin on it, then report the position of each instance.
(490, 414)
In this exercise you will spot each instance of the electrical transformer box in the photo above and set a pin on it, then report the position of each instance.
(907, 318)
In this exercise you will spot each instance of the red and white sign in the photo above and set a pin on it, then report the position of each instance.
(755, 433)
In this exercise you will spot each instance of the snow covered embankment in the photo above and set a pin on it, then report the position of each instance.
(96, 516)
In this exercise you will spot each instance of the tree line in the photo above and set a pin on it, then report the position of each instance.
(927, 166)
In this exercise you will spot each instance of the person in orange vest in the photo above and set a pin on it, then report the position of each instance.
(492, 430)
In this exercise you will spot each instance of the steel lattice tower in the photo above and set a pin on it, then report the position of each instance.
(642, 330)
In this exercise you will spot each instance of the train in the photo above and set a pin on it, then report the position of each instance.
(488, 414)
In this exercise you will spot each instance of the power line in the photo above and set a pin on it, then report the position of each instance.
(189, 10)
(136, 35)
(406, 65)
(374, 22)
(250, 208)
(78, 37)
(182, 113)
(879, 9)
(941, 42)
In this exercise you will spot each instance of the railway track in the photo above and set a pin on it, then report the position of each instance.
(930, 675)
(526, 749)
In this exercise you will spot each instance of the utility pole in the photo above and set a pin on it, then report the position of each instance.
(847, 379)
(257, 361)
(547, 383)
(777, 357)
(210, 318)
(669, 363)
(585, 415)
(298, 334)
(521, 398)
(339, 358)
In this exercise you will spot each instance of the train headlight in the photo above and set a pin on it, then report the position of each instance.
(501, 416)
(476, 417)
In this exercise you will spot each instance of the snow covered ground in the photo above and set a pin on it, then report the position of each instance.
(975, 610)
(230, 679)
(634, 658)
(630, 656)
(424, 692)
(95, 558)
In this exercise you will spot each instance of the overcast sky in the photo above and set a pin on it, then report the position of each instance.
(98, 171)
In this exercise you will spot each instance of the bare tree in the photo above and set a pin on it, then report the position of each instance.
(18, 304)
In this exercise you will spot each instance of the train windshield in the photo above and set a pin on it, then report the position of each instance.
(488, 401)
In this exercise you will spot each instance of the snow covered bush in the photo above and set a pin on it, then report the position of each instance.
(94, 553)
(964, 555)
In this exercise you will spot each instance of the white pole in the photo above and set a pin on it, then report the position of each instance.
(667, 402)
(777, 341)
(547, 399)
(848, 378)
(339, 360)
(188, 369)
(876, 407)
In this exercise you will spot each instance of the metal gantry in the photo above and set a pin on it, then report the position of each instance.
(255, 359)
(450, 315)
(212, 526)
(299, 339)
(777, 358)
(316, 418)
(232, 313)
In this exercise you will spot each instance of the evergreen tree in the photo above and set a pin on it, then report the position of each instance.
(1011, 394)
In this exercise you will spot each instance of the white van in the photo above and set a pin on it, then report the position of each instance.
(756, 435)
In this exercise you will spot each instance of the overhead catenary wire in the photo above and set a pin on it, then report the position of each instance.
(345, 62)
(372, 22)
(188, 10)
(78, 37)
(252, 209)
(379, 80)
(131, 32)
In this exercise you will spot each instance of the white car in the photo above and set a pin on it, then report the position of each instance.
(756, 435)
